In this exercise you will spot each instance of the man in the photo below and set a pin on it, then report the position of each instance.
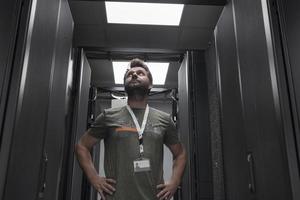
(133, 136)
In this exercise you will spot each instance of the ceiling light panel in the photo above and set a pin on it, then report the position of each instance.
(144, 13)
(158, 70)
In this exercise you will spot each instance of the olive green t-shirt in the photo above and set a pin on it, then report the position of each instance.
(121, 142)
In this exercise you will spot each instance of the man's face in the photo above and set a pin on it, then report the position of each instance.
(136, 80)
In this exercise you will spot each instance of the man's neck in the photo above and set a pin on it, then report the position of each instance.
(137, 101)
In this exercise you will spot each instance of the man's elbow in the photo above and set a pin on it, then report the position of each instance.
(183, 154)
(180, 153)
(79, 148)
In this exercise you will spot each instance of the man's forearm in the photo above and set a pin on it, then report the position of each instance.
(85, 160)
(178, 167)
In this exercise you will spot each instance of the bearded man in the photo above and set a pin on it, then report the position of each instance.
(134, 136)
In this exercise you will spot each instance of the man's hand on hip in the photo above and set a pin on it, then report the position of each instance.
(103, 185)
(168, 189)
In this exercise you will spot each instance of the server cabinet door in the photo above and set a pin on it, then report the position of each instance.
(10, 16)
(59, 111)
(29, 98)
(234, 144)
(261, 104)
(13, 28)
(184, 123)
(80, 122)
(284, 30)
(193, 126)
(254, 148)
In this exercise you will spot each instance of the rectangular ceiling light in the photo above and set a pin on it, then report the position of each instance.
(158, 71)
(143, 13)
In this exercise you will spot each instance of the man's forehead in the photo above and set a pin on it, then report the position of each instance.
(137, 68)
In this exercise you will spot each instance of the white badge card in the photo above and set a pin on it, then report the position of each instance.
(141, 165)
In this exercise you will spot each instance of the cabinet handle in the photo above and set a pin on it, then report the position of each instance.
(250, 161)
(43, 177)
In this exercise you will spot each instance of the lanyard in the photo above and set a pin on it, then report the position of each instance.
(139, 129)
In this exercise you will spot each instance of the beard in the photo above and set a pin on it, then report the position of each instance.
(136, 90)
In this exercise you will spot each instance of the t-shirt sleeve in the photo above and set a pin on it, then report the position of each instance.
(171, 135)
(98, 128)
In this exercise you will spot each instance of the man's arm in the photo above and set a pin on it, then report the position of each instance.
(82, 149)
(179, 160)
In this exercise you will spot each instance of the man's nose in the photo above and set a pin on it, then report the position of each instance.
(134, 74)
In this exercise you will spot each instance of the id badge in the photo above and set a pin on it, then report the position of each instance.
(141, 165)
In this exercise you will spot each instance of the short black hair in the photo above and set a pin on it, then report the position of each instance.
(136, 62)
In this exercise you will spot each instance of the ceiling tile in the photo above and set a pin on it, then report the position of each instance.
(200, 16)
(88, 12)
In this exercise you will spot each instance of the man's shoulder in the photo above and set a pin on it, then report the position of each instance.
(159, 113)
(114, 111)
